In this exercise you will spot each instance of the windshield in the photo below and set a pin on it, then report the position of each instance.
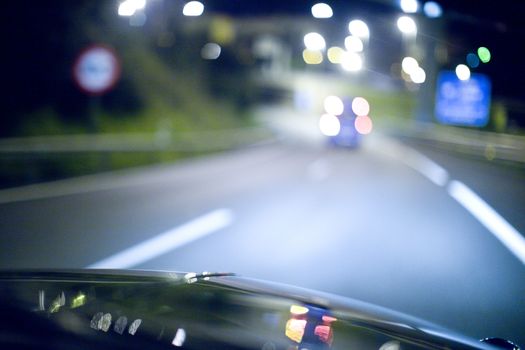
(371, 149)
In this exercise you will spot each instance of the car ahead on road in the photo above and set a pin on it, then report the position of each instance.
(346, 120)
(106, 309)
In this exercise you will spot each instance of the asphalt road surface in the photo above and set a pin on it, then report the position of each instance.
(384, 224)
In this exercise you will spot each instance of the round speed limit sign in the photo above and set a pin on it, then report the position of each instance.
(96, 69)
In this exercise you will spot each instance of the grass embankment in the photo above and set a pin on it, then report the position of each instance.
(171, 101)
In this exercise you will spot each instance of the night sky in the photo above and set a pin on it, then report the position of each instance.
(37, 40)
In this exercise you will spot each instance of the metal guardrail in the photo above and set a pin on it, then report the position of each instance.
(140, 142)
(483, 144)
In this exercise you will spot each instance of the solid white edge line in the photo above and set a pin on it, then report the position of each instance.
(427, 167)
(167, 241)
(485, 214)
(415, 160)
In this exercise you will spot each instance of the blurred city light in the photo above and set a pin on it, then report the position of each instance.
(180, 337)
(78, 301)
(353, 43)
(432, 9)
(409, 64)
(462, 72)
(418, 75)
(333, 105)
(211, 51)
(325, 333)
(360, 106)
(329, 125)
(322, 10)
(335, 54)
(472, 60)
(294, 329)
(328, 319)
(126, 9)
(484, 54)
(193, 9)
(312, 56)
(409, 6)
(222, 30)
(358, 28)
(314, 41)
(351, 62)
(298, 310)
(406, 25)
(138, 4)
(363, 124)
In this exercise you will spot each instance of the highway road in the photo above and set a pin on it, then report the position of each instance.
(390, 223)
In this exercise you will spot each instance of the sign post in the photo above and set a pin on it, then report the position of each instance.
(463, 102)
(96, 71)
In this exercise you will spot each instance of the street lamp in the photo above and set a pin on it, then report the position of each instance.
(359, 28)
(432, 9)
(193, 9)
(351, 62)
(418, 75)
(407, 25)
(409, 6)
(322, 10)
(462, 72)
(314, 41)
(353, 43)
(409, 65)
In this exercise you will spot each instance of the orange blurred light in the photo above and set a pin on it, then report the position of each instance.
(360, 106)
(295, 329)
(363, 124)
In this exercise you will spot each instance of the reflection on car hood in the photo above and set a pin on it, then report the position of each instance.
(114, 308)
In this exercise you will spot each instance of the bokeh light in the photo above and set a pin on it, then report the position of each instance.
(472, 60)
(432, 9)
(126, 9)
(138, 4)
(333, 105)
(462, 72)
(409, 64)
(314, 41)
(222, 30)
(353, 43)
(312, 56)
(335, 54)
(407, 25)
(363, 124)
(211, 51)
(193, 9)
(298, 309)
(322, 10)
(294, 329)
(409, 6)
(351, 62)
(484, 54)
(358, 28)
(360, 106)
(418, 75)
(329, 125)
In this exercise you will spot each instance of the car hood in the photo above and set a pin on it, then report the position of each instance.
(207, 310)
